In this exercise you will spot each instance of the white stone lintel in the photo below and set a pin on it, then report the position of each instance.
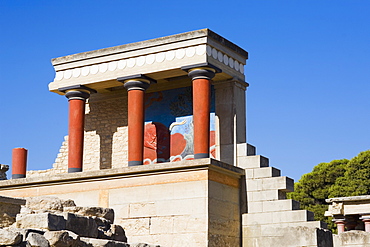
(161, 59)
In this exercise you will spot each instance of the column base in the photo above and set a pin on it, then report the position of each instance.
(201, 155)
(15, 176)
(135, 163)
(72, 170)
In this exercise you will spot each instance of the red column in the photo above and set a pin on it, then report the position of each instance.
(76, 134)
(340, 225)
(201, 78)
(77, 96)
(135, 127)
(366, 220)
(136, 86)
(201, 118)
(19, 163)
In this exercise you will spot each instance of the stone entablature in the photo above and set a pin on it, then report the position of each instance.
(350, 213)
(161, 59)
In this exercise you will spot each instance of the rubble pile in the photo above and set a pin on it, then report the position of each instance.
(53, 222)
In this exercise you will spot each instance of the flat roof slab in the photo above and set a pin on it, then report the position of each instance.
(161, 59)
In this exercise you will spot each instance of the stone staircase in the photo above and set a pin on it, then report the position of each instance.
(271, 218)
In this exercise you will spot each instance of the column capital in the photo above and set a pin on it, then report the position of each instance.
(77, 92)
(201, 71)
(136, 82)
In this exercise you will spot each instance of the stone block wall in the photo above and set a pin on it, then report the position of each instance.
(271, 219)
(352, 238)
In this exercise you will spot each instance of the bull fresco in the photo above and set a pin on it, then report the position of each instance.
(168, 133)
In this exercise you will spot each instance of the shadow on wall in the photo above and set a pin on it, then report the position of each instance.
(106, 117)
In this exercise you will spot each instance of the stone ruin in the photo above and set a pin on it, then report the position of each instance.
(53, 222)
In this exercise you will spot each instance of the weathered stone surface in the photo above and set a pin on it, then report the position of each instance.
(44, 221)
(61, 238)
(48, 203)
(37, 240)
(106, 213)
(3, 170)
(143, 245)
(9, 208)
(104, 242)
(9, 237)
(116, 232)
(83, 226)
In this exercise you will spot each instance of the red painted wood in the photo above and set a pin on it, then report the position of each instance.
(19, 161)
(201, 117)
(76, 133)
(135, 125)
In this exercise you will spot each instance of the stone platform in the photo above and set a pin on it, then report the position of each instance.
(188, 203)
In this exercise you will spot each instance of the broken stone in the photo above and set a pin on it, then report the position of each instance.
(143, 245)
(44, 221)
(3, 170)
(81, 225)
(49, 203)
(37, 240)
(61, 238)
(104, 242)
(9, 237)
(106, 213)
(116, 232)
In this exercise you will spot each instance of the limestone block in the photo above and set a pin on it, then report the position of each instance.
(224, 209)
(142, 209)
(161, 225)
(37, 240)
(352, 238)
(292, 216)
(223, 227)
(9, 208)
(255, 207)
(81, 225)
(48, 203)
(291, 236)
(182, 206)
(134, 227)
(222, 192)
(190, 223)
(285, 184)
(61, 238)
(265, 195)
(44, 221)
(257, 218)
(255, 161)
(280, 205)
(254, 184)
(9, 237)
(106, 213)
(265, 172)
(222, 240)
(104, 242)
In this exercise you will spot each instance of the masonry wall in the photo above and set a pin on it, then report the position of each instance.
(185, 203)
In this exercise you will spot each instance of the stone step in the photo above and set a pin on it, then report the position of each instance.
(266, 195)
(254, 161)
(277, 217)
(273, 206)
(285, 184)
(263, 172)
(251, 150)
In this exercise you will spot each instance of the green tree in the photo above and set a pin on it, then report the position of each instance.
(356, 179)
(338, 178)
(314, 187)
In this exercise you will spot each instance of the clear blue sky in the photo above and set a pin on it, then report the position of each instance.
(308, 69)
